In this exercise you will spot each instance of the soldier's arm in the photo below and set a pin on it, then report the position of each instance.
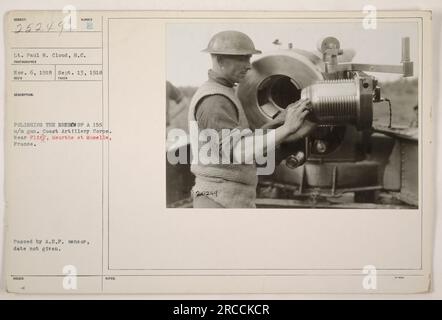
(294, 120)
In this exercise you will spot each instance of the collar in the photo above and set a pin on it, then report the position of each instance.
(214, 76)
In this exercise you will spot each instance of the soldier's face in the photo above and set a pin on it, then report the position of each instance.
(235, 67)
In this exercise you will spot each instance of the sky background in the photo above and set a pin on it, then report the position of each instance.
(187, 65)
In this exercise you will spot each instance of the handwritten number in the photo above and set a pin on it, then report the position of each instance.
(61, 26)
(38, 27)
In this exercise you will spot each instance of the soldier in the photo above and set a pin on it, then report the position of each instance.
(216, 106)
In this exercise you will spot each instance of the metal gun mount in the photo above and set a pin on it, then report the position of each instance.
(338, 156)
(330, 49)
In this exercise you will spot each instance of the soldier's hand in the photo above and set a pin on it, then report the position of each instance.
(306, 128)
(280, 118)
(296, 113)
(277, 121)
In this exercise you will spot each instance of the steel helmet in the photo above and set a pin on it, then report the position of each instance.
(231, 43)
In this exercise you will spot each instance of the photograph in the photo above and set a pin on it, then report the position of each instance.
(292, 115)
(313, 130)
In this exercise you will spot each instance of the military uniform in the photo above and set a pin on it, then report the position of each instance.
(215, 106)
